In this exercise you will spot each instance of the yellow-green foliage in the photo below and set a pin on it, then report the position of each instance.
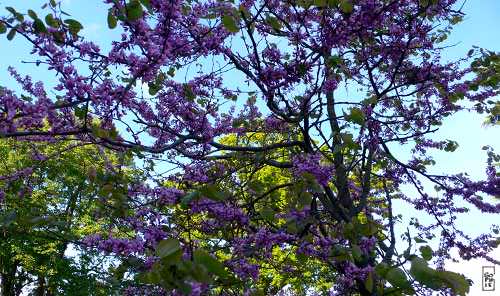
(60, 209)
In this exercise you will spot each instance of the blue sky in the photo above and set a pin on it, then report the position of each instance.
(481, 28)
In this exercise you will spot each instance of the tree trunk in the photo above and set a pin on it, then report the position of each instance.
(40, 289)
(7, 285)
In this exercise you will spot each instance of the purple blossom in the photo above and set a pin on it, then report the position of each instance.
(366, 244)
(311, 164)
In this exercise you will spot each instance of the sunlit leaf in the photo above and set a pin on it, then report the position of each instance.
(230, 24)
(167, 247)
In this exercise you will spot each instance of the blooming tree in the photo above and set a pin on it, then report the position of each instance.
(268, 133)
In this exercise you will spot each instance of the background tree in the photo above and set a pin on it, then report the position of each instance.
(300, 178)
(45, 213)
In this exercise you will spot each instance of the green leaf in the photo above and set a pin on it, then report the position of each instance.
(190, 197)
(456, 19)
(346, 6)
(39, 26)
(419, 240)
(210, 263)
(32, 14)
(381, 269)
(438, 279)
(457, 282)
(156, 86)
(16, 14)
(274, 23)
(397, 278)
(11, 34)
(58, 37)
(356, 252)
(151, 277)
(171, 72)
(73, 25)
(302, 69)
(112, 21)
(188, 92)
(213, 192)
(51, 21)
(356, 115)
(292, 227)
(320, 3)
(369, 282)
(167, 247)
(134, 10)
(425, 275)
(119, 272)
(3, 28)
(200, 273)
(451, 146)
(153, 89)
(333, 61)
(426, 252)
(230, 24)
(8, 218)
(267, 213)
(80, 112)
(146, 3)
(424, 3)
(333, 3)
(11, 10)
(304, 199)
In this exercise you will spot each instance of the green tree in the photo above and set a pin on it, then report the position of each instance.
(38, 228)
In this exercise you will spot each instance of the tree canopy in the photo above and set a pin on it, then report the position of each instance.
(241, 148)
